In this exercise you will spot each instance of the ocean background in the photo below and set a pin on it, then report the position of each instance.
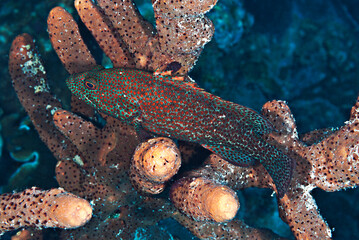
(305, 52)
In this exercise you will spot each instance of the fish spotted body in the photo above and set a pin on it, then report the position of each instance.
(169, 107)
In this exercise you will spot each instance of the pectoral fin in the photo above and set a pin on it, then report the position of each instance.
(231, 155)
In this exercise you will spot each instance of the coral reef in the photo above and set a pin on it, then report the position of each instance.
(204, 200)
(21, 140)
(94, 161)
(36, 208)
(154, 162)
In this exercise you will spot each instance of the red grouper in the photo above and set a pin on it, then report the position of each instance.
(167, 106)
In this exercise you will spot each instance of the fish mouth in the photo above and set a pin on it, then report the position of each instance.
(69, 81)
(73, 82)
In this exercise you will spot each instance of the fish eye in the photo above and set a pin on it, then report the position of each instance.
(90, 84)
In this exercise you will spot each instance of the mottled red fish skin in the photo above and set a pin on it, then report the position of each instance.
(170, 107)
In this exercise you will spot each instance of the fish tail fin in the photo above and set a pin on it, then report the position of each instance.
(279, 166)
